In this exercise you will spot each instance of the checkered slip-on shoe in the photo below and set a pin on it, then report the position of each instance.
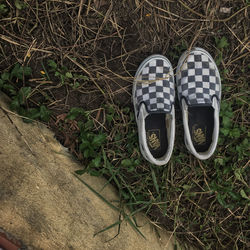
(153, 98)
(199, 93)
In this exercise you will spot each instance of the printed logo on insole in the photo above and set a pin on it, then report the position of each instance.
(199, 134)
(153, 139)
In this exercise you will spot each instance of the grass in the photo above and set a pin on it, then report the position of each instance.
(71, 65)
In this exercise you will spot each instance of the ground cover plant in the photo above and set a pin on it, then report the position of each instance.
(70, 64)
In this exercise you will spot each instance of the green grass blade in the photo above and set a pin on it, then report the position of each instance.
(155, 180)
(132, 224)
(109, 227)
(126, 217)
(99, 195)
(127, 186)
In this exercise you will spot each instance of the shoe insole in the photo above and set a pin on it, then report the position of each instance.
(201, 125)
(156, 134)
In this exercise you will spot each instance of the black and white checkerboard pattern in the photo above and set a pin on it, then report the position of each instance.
(198, 79)
(155, 86)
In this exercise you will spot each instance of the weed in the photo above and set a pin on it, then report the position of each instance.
(221, 44)
(10, 82)
(20, 4)
(3, 8)
(227, 166)
(65, 76)
(178, 49)
(111, 156)
(89, 142)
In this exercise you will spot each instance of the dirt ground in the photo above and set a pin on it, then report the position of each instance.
(102, 42)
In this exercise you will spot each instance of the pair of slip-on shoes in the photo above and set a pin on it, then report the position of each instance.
(199, 93)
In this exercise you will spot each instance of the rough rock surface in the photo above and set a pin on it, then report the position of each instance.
(45, 206)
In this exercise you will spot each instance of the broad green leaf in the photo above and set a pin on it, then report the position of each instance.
(234, 195)
(52, 64)
(5, 76)
(243, 194)
(27, 71)
(237, 174)
(44, 113)
(222, 43)
(76, 85)
(235, 133)
(224, 131)
(74, 113)
(10, 88)
(17, 72)
(186, 187)
(29, 114)
(23, 94)
(62, 78)
(14, 105)
(3, 9)
(89, 125)
(69, 75)
(226, 121)
(97, 161)
(137, 162)
(220, 161)
(99, 139)
(33, 113)
(86, 153)
(84, 144)
(126, 162)
(84, 78)
(18, 4)
(245, 142)
(221, 200)
(109, 117)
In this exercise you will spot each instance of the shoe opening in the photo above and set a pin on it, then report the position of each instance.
(156, 134)
(201, 127)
